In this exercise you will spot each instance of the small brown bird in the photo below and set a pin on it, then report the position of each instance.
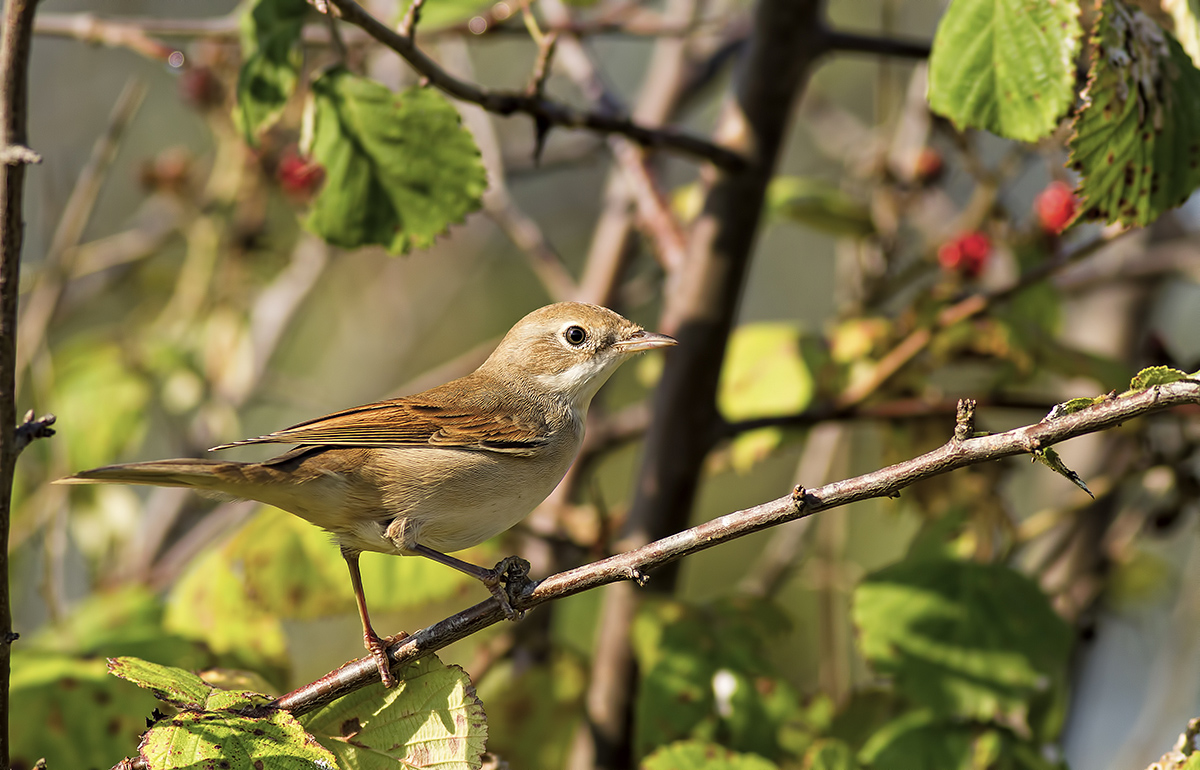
(438, 471)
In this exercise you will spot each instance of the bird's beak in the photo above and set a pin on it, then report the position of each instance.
(644, 340)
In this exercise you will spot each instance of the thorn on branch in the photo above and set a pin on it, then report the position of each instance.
(408, 25)
(798, 497)
(11, 637)
(964, 420)
(31, 429)
(16, 154)
(637, 576)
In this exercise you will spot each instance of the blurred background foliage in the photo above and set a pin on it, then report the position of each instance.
(995, 617)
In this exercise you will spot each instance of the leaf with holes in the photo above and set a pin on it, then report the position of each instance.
(227, 739)
(1005, 65)
(272, 57)
(432, 718)
(1135, 144)
(399, 167)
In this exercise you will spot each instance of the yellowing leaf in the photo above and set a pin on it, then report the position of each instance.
(431, 718)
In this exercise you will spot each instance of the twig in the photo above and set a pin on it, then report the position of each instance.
(30, 430)
(408, 25)
(15, 36)
(853, 42)
(800, 502)
(551, 112)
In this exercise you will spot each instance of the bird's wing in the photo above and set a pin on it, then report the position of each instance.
(470, 420)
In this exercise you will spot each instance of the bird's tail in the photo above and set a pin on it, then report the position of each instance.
(214, 475)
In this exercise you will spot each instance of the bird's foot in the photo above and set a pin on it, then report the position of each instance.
(377, 647)
(513, 573)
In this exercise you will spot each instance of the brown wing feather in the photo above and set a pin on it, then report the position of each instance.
(446, 416)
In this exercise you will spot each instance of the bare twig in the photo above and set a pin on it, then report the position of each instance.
(853, 42)
(546, 110)
(15, 36)
(30, 430)
(798, 503)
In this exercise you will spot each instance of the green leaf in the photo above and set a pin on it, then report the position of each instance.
(430, 718)
(1051, 460)
(225, 739)
(701, 755)
(1156, 375)
(918, 741)
(1186, 16)
(764, 374)
(70, 711)
(1007, 66)
(705, 675)
(966, 640)
(399, 168)
(271, 60)
(180, 688)
(820, 205)
(1135, 142)
(533, 711)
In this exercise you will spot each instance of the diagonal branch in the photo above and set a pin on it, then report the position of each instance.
(633, 565)
(542, 110)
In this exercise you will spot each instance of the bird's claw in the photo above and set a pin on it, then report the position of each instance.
(513, 573)
(376, 647)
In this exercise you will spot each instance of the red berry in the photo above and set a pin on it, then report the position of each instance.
(929, 166)
(967, 254)
(299, 177)
(1055, 207)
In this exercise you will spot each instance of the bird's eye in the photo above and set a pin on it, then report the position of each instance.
(575, 335)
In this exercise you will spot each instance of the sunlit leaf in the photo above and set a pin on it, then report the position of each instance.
(763, 375)
(1007, 66)
(225, 738)
(71, 712)
(431, 718)
(966, 640)
(1156, 375)
(271, 61)
(180, 688)
(702, 755)
(1135, 144)
(399, 167)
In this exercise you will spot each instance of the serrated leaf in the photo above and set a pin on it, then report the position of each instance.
(1186, 16)
(224, 739)
(1156, 375)
(399, 167)
(702, 755)
(1053, 461)
(1073, 405)
(965, 640)
(180, 688)
(69, 711)
(431, 718)
(1007, 66)
(820, 205)
(271, 62)
(1135, 142)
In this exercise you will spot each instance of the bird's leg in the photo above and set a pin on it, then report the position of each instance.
(371, 639)
(512, 570)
